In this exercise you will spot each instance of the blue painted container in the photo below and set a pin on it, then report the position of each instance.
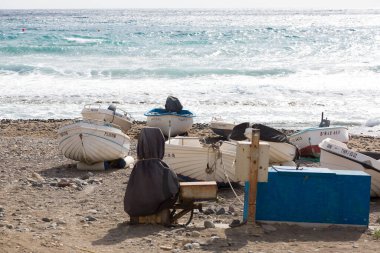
(313, 195)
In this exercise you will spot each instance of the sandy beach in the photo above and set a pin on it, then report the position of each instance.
(46, 205)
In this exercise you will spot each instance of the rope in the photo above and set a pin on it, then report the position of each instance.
(228, 179)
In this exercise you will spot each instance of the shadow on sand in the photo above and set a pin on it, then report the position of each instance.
(125, 231)
(70, 171)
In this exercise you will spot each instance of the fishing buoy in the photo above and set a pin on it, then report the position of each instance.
(23, 29)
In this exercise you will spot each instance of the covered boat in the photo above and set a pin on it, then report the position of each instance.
(336, 155)
(111, 114)
(308, 139)
(281, 151)
(172, 120)
(221, 127)
(152, 186)
(91, 141)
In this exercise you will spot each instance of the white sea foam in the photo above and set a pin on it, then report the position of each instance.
(281, 68)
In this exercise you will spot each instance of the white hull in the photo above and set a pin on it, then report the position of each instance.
(91, 142)
(308, 140)
(336, 155)
(191, 160)
(94, 112)
(221, 127)
(176, 124)
(187, 157)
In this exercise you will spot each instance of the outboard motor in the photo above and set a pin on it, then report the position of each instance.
(324, 122)
(112, 107)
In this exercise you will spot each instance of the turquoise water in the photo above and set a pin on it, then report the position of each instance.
(277, 67)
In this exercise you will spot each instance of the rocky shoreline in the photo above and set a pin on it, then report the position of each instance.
(46, 205)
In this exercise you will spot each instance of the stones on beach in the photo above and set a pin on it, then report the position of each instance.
(166, 247)
(9, 226)
(90, 218)
(208, 224)
(45, 219)
(195, 234)
(209, 211)
(188, 246)
(38, 177)
(63, 183)
(87, 175)
(220, 211)
(235, 223)
(268, 228)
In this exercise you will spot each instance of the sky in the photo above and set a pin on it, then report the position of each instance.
(111, 4)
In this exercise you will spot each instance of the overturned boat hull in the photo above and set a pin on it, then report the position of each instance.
(93, 141)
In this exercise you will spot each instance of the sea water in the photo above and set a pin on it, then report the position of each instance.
(278, 67)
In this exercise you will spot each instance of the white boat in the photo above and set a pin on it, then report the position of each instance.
(336, 155)
(91, 141)
(173, 123)
(280, 153)
(221, 127)
(192, 160)
(111, 114)
(308, 139)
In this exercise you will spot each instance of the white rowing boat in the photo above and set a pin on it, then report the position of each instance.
(170, 123)
(308, 139)
(336, 155)
(91, 141)
(111, 114)
(193, 160)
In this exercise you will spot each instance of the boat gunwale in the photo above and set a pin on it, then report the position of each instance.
(155, 112)
(365, 165)
(315, 129)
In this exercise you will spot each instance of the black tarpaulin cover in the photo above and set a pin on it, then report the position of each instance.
(266, 133)
(173, 104)
(237, 133)
(270, 134)
(152, 185)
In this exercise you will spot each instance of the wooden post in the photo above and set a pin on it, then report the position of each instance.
(253, 175)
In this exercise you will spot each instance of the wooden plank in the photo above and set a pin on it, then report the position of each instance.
(200, 191)
(253, 175)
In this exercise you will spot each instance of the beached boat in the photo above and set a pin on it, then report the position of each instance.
(91, 141)
(281, 152)
(111, 114)
(170, 123)
(193, 160)
(308, 139)
(336, 155)
(221, 127)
